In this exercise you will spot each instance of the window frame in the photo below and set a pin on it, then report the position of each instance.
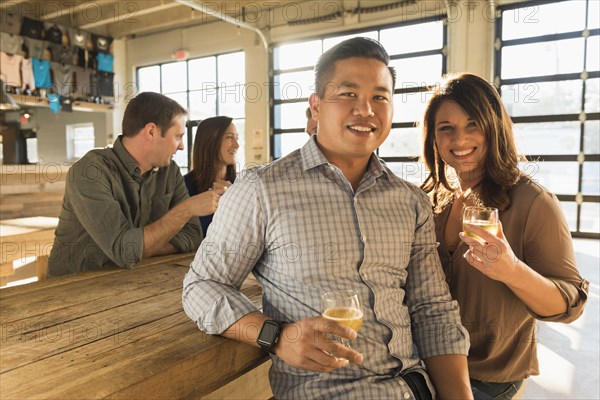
(581, 158)
(192, 123)
(443, 51)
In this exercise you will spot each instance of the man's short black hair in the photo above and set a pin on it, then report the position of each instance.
(355, 47)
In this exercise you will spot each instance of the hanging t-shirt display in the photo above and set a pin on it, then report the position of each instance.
(10, 65)
(78, 38)
(52, 33)
(63, 78)
(27, 74)
(34, 48)
(105, 62)
(101, 43)
(32, 28)
(11, 23)
(41, 73)
(10, 44)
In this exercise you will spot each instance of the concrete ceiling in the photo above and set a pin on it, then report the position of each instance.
(136, 17)
(128, 18)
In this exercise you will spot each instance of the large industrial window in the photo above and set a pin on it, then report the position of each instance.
(207, 87)
(547, 67)
(419, 63)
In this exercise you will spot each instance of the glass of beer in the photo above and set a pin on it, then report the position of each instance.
(483, 217)
(343, 307)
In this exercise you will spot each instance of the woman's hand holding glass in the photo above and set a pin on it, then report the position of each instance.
(489, 251)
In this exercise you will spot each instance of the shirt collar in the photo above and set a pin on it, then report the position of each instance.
(312, 157)
(125, 158)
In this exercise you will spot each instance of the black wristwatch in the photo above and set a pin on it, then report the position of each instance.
(269, 334)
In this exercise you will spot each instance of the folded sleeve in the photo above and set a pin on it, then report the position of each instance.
(548, 249)
(232, 247)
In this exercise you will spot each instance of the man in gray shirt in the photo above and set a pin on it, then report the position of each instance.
(332, 216)
(128, 202)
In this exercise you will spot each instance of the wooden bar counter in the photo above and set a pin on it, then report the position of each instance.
(119, 334)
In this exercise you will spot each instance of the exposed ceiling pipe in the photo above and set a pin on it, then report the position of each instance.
(200, 6)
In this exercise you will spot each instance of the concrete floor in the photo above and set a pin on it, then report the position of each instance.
(568, 354)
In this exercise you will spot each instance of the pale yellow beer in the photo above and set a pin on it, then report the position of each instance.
(347, 316)
(483, 217)
(486, 225)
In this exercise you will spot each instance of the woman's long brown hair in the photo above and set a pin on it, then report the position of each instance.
(206, 157)
(481, 101)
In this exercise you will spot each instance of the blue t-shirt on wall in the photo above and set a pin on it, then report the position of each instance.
(41, 73)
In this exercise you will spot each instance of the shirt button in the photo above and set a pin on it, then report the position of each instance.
(406, 395)
(364, 238)
(402, 382)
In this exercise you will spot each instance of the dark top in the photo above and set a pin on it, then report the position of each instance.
(107, 203)
(192, 191)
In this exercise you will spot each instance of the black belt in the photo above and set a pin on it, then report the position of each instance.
(417, 384)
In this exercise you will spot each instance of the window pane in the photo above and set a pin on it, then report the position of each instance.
(203, 104)
(591, 139)
(547, 138)
(590, 181)
(231, 101)
(569, 209)
(593, 14)
(539, 59)
(290, 116)
(589, 218)
(149, 79)
(409, 107)
(401, 40)
(231, 69)
(413, 172)
(174, 77)
(288, 142)
(181, 98)
(202, 73)
(297, 55)
(558, 177)
(329, 43)
(543, 98)
(593, 54)
(536, 20)
(402, 142)
(294, 85)
(592, 95)
(418, 71)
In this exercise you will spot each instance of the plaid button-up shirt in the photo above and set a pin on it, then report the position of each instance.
(298, 226)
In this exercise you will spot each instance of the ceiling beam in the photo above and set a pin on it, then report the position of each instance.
(73, 10)
(133, 15)
(11, 3)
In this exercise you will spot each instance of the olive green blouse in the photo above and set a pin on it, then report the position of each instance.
(501, 327)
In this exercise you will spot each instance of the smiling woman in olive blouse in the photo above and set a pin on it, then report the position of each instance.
(213, 159)
(525, 272)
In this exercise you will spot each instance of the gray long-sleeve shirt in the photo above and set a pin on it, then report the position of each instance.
(297, 225)
(107, 203)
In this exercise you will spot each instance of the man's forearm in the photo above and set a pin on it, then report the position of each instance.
(158, 233)
(247, 328)
(450, 375)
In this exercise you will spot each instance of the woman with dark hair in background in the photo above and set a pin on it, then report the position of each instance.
(213, 159)
(527, 270)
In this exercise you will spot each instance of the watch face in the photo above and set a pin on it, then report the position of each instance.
(268, 333)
